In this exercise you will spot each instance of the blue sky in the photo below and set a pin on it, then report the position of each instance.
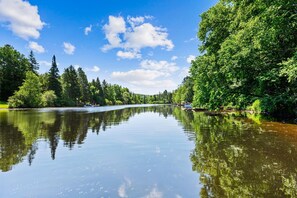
(143, 45)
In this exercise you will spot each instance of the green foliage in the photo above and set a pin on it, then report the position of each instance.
(248, 52)
(13, 68)
(29, 94)
(184, 93)
(107, 102)
(71, 87)
(256, 106)
(48, 98)
(34, 66)
(54, 78)
(84, 86)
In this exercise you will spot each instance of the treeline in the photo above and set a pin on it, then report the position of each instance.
(248, 57)
(22, 86)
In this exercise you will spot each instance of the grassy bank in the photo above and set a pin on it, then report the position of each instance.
(3, 105)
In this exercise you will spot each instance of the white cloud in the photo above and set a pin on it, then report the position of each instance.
(134, 35)
(88, 30)
(190, 58)
(45, 63)
(163, 66)
(115, 26)
(36, 47)
(128, 54)
(185, 71)
(22, 18)
(68, 48)
(173, 58)
(151, 78)
(147, 35)
(133, 21)
(145, 81)
(95, 69)
(137, 75)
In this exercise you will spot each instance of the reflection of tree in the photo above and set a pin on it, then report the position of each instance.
(236, 158)
(20, 130)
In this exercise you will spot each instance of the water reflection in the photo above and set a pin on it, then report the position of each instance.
(234, 156)
(240, 158)
(20, 131)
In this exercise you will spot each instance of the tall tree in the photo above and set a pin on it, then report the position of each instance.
(71, 88)
(13, 68)
(34, 66)
(54, 78)
(246, 46)
(101, 96)
(84, 86)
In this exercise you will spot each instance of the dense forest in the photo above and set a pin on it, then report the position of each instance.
(248, 58)
(22, 86)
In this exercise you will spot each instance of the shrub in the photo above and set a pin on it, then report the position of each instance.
(48, 98)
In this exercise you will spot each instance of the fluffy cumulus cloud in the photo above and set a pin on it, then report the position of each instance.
(112, 30)
(163, 66)
(190, 58)
(68, 48)
(88, 30)
(152, 76)
(36, 47)
(21, 17)
(128, 54)
(134, 34)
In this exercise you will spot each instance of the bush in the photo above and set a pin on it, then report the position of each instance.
(108, 102)
(118, 102)
(48, 98)
(256, 106)
(29, 94)
(16, 101)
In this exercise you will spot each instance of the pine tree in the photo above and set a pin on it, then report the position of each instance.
(54, 83)
(34, 66)
(101, 92)
(84, 86)
(71, 88)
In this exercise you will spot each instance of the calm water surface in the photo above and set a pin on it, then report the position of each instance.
(144, 151)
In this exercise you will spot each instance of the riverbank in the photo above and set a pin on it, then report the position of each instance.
(3, 105)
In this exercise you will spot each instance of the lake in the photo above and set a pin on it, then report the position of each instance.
(148, 151)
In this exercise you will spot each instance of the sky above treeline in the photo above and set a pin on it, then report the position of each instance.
(144, 45)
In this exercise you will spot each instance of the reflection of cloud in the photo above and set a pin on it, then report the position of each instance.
(154, 193)
(158, 150)
(178, 196)
(123, 188)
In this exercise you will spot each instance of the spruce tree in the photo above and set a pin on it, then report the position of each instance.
(84, 86)
(101, 92)
(54, 83)
(71, 88)
(34, 66)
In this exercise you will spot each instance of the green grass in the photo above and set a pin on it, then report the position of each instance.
(3, 105)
